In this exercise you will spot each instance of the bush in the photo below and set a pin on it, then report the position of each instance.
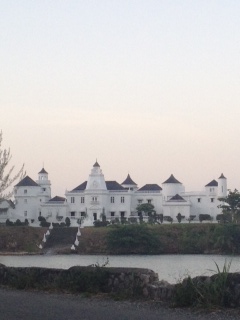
(44, 223)
(132, 220)
(9, 223)
(205, 217)
(191, 218)
(132, 238)
(204, 291)
(99, 223)
(41, 218)
(67, 222)
(168, 219)
(161, 217)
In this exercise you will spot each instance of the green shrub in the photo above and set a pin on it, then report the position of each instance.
(204, 291)
(9, 223)
(44, 223)
(67, 222)
(99, 223)
(133, 238)
(204, 217)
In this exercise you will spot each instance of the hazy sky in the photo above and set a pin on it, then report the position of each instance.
(147, 87)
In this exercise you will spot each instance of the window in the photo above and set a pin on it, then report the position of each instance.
(43, 189)
(199, 200)
(212, 199)
(83, 214)
(82, 199)
(112, 200)
(72, 200)
(94, 199)
(25, 200)
(72, 213)
(94, 216)
(122, 214)
(112, 214)
(25, 213)
(149, 201)
(140, 201)
(211, 189)
(122, 199)
(25, 191)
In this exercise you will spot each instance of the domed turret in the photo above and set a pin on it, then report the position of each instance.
(171, 187)
(96, 179)
(44, 183)
(129, 184)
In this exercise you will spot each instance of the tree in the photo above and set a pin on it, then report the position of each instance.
(7, 177)
(148, 209)
(231, 204)
(179, 217)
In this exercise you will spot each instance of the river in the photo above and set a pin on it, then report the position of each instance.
(171, 268)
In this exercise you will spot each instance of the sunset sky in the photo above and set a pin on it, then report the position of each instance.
(147, 87)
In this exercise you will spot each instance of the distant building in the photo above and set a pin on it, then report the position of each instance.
(96, 196)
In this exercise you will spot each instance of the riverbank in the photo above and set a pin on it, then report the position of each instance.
(21, 239)
(207, 238)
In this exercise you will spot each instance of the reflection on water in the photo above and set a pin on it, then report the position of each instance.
(169, 267)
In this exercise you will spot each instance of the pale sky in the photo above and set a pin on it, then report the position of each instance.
(148, 87)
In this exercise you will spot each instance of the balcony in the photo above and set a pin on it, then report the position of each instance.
(95, 203)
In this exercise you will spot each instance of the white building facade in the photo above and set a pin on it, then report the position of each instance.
(95, 197)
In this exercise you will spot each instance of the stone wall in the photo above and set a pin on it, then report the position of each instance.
(128, 282)
(125, 282)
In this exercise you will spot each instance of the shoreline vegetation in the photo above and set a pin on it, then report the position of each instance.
(206, 238)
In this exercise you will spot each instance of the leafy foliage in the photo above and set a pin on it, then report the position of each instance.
(148, 210)
(204, 291)
(204, 217)
(231, 204)
(67, 222)
(17, 223)
(132, 238)
(180, 217)
(168, 219)
(226, 238)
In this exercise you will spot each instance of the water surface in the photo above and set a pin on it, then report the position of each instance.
(169, 267)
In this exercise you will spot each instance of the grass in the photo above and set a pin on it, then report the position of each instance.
(205, 291)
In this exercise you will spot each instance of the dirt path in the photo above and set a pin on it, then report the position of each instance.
(22, 305)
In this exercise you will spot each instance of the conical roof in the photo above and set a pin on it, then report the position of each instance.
(43, 171)
(96, 164)
(27, 182)
(177, 197)
(213, 183)
(57, 199)
(150, 187)
(171, 179)
(222, 177)
(129, 181)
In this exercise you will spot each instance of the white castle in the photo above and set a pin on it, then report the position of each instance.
(94, 197)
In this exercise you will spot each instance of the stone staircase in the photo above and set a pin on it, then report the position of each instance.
(60, 238)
